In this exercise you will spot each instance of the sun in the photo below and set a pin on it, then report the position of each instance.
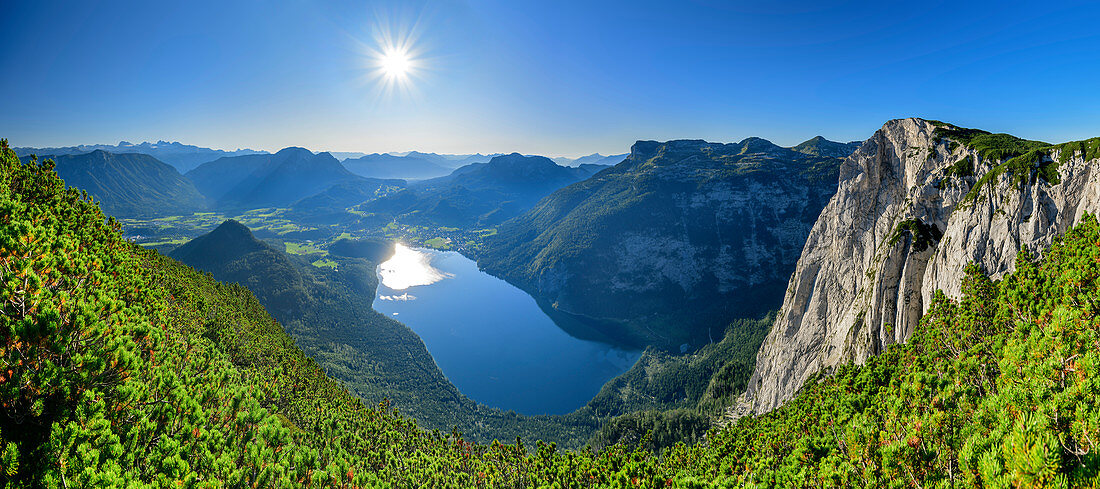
(395, 63)
(393, 60)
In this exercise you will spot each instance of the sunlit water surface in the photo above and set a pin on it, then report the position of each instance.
(490, 338)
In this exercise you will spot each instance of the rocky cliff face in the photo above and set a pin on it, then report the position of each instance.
(916, 203)
(669, 245)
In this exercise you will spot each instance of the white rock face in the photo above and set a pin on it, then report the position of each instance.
(854, 291)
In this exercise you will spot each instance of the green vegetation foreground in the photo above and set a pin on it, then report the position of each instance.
(119, 366)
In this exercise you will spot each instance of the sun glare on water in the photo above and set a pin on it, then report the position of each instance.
(409, 268)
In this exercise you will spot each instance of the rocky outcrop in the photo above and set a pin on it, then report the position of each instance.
(914, 206)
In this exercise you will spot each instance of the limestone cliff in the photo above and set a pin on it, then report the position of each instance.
(916, 203)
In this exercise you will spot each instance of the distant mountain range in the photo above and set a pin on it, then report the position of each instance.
(592, 159)
(318, 188)
(183, 157)
(453, 161)
(268, 180)
(447, 190)
(479, 194)
(672, 243)
(413, 165)
(129, 184)
(385, 165)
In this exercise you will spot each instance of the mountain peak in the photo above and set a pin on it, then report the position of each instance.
(184, 157)
(294, 150)
(268, 180)
(642, 147)
(516, 159)
(232, 229)
(757, 145)
(819, 146)
(229, 239)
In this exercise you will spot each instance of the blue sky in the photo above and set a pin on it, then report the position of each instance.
(546, 77)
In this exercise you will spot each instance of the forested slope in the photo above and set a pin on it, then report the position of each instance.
(677, 397)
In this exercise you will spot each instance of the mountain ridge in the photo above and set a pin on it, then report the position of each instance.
(384, 165)
(268, 180)
(479, 194)
(129, 184)
(819, 146)
(660, 231)
(184, 157)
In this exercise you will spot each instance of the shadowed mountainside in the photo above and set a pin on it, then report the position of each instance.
(129, 184)
(668, 246)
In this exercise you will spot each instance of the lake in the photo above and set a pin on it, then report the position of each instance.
(490, 338)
